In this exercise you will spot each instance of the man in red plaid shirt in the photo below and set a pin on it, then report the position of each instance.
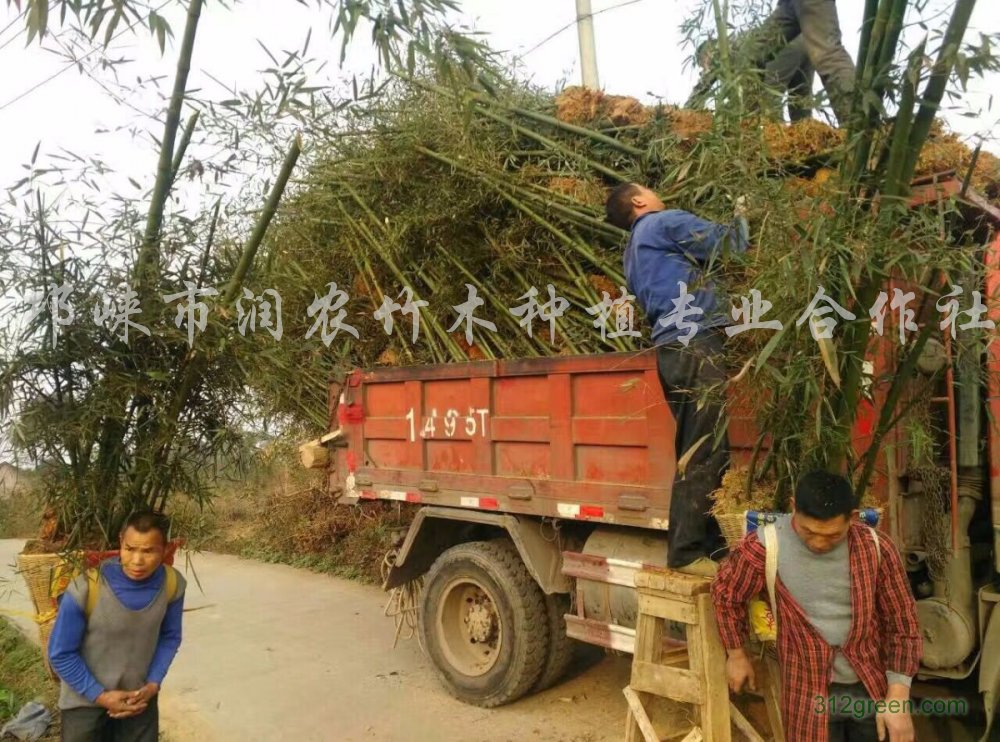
(848, 638)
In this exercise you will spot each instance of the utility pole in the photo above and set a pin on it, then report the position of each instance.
(588, 48)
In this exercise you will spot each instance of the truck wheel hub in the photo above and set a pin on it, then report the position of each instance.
(468, 627)
(481, 619)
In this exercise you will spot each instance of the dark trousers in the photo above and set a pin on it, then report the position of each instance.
(685, 374)
(818, 24)
(94, 725)
(791, 70)
(786, 67)
(854, 720)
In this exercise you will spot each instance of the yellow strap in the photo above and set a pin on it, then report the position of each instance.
(38, 618)
(94, 583)
(93, 588)
(171, 583)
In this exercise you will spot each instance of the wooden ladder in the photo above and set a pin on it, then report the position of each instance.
(694, 674)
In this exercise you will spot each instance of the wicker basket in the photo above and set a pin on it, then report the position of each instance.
(733, 526)
(38, 571)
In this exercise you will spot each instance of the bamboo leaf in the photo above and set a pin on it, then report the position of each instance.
(38, 18)
(685, 459)
(772, 344)
(828, 351)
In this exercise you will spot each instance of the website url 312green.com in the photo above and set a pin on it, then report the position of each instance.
(861, 708)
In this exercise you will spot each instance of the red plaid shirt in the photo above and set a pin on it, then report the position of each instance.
(884, 633)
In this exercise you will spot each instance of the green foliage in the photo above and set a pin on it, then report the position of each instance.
(410, 192)
(23, 676)
(122, 424)
(20, 513)
(101, 18)
(807, 393)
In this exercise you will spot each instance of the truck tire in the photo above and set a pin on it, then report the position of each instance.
(484, 623)
(562, 649)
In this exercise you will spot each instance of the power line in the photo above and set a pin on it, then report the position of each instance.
(35, 87)
(73, 63)
(7, 28)
(572, 23)
(89, 73)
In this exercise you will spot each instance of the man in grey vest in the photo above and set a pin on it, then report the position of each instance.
(115, 636)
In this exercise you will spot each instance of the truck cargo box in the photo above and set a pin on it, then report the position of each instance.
(581, 437)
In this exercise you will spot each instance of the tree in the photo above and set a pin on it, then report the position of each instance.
(809, 386)
(142, 401)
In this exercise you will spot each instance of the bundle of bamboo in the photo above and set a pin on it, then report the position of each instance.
(436, 190)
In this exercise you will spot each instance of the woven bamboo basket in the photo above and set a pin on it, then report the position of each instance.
(38, 573)
(733, 526)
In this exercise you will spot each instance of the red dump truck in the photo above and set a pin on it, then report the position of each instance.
(544, 484)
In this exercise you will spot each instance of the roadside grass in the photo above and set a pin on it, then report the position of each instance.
(23, 677)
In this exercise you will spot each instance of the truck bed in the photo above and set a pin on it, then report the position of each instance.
(581, 437)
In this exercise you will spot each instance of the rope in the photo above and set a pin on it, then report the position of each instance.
(556, 531)
(38, 618)
(402, 603)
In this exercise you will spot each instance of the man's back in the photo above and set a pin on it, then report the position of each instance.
(669, 252)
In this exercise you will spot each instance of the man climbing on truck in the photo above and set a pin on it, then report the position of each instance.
(668, 260)
(848, 637)
(816, 22)
(789, 71)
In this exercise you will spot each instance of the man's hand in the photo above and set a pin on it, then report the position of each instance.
(739, 671)
(896, 726)
(145, 694)
(119, 704)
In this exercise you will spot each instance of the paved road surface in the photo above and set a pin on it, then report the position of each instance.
(276, 654)
(280, 654)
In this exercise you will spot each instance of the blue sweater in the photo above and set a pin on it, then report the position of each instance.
(71, 625)
(667, 248)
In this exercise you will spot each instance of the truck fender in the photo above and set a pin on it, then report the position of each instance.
(435, 529)
(989, 670)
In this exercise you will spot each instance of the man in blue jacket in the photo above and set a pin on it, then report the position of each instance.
(667, 261)
(115, 636)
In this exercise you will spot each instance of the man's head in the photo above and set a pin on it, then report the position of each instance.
(628, 202)
(824, 508)
(143, 544)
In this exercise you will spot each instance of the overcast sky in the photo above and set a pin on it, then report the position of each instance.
(639, 43)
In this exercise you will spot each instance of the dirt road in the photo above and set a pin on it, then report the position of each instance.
(273, 653)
